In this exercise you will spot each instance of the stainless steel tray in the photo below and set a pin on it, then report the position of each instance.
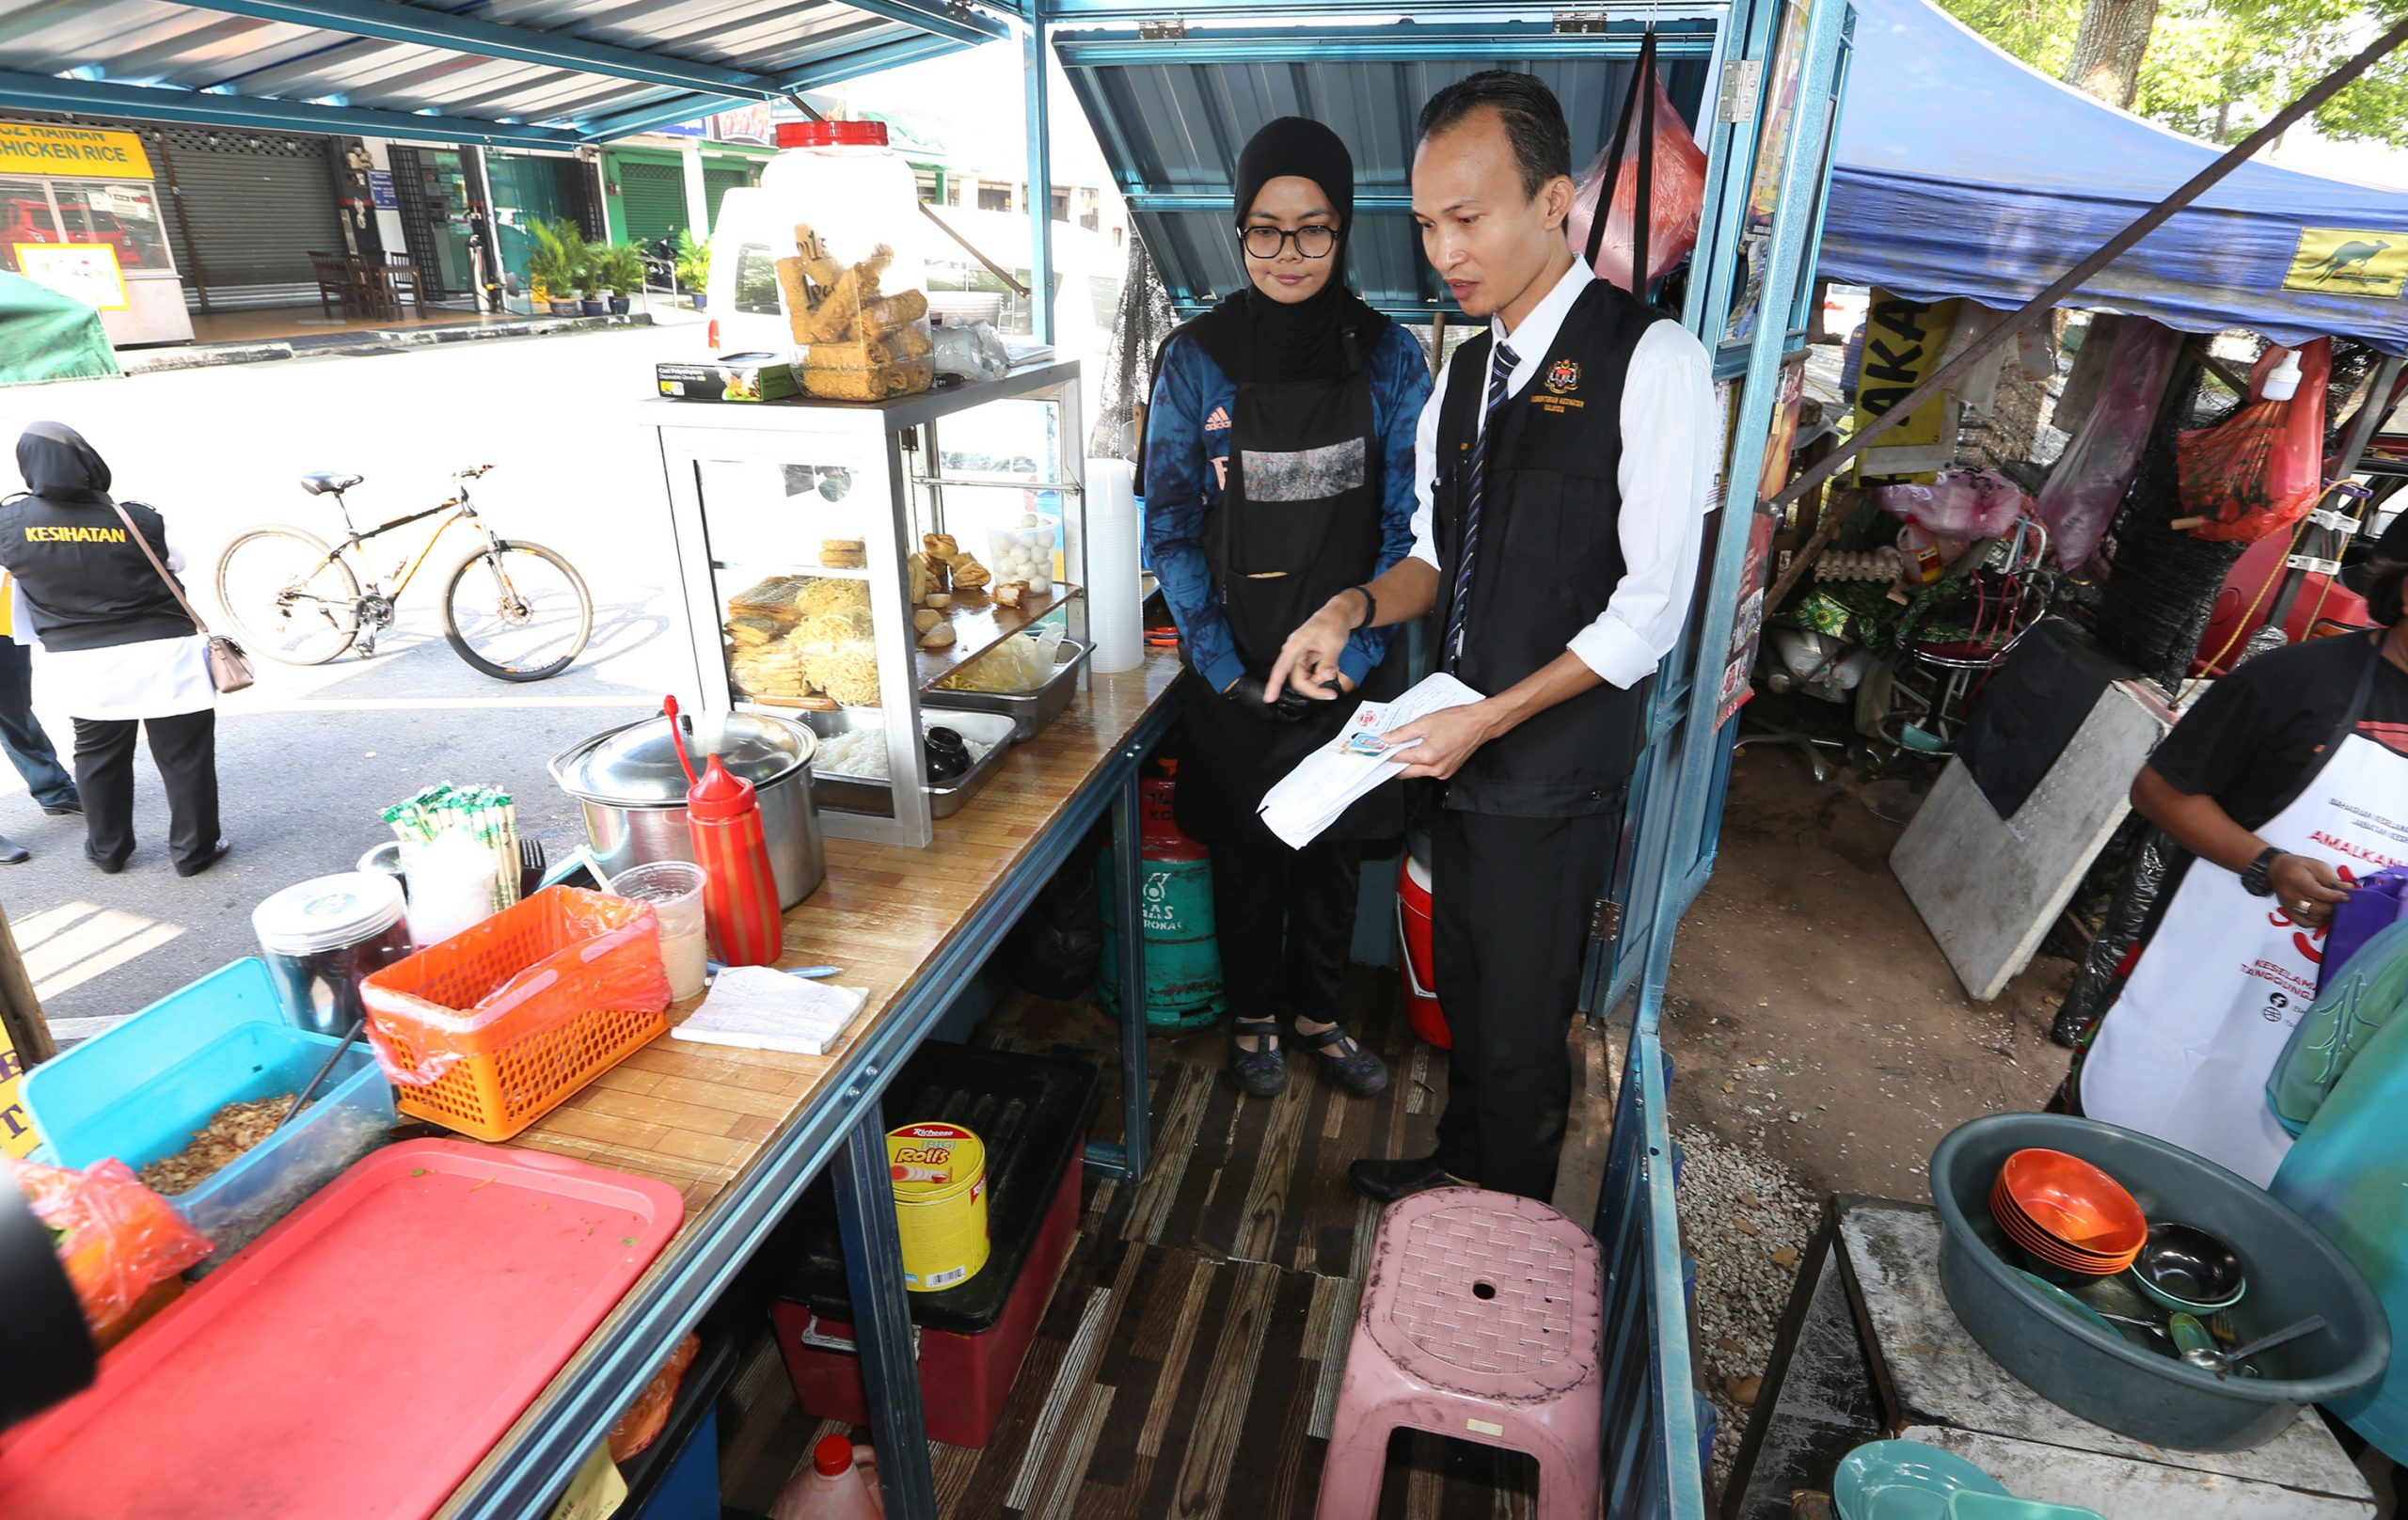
(1029, 711)
(862, 794)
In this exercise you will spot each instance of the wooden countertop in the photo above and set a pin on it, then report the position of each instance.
(696, 1116)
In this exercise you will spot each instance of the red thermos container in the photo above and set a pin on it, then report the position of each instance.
(741, 900)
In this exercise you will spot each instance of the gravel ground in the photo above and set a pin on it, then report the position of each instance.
(1745, 1218)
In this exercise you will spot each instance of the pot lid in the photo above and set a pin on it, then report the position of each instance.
(637, 766)
(327, 914)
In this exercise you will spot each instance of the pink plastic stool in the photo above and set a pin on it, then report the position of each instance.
(1482, 1318)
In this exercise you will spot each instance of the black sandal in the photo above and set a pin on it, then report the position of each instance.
(1260, 1072)
(1351, 1069)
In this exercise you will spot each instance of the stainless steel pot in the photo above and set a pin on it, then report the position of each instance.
(632, 792)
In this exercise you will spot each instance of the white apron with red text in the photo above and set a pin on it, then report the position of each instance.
(2184, 1052)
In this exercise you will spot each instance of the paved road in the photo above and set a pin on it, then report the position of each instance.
(307, 757)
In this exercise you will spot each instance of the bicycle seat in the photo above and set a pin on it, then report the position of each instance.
(323, 480)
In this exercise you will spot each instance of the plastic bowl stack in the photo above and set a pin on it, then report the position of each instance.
(2067, 1213)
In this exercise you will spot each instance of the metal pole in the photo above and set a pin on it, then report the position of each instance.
(1128, 849)
(882, 1319)
(2071, 281)
(1041, 179)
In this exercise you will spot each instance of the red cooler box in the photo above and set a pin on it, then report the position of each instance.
(1419, 971)
(1032, 1113)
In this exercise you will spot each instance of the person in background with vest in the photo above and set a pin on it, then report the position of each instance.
(114, 637)
(1279, 470)
(21, 732)
(1562, 466)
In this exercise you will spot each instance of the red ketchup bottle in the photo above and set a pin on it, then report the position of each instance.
(740, 900)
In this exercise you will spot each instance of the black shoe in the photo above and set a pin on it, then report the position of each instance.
(1351, 1069)
(71, 808)
(12, 853)
(1260, 1072)
(109, 868)
(1388, 1180)
(212, 856)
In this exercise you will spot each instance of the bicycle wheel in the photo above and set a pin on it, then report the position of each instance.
(287, 597)
(517, 611)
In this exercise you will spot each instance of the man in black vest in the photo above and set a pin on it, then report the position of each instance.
(1563, 465)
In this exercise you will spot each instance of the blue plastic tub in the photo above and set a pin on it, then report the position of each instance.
(139, 1092)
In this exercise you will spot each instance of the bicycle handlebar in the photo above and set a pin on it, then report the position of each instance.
(471, 473)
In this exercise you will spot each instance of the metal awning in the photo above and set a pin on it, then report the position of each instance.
(1171, 107)
(550, 74)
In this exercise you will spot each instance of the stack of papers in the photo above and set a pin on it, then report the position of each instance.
(1327, 782)
(759, 1008)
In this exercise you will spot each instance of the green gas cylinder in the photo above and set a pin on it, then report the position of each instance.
(1175, 887)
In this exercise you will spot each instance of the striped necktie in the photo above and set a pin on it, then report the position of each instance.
(1500, 373)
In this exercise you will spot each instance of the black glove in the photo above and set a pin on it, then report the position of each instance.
(1248, 693)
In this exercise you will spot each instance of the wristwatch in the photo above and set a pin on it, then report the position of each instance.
(2253, 880)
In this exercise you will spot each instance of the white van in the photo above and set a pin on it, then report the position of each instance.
(745, 316)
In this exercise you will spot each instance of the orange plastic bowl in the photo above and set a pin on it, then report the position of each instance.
(2075, 1204)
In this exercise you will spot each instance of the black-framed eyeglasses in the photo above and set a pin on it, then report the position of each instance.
(1269, 242)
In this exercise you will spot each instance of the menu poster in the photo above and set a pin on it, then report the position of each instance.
(86, 271)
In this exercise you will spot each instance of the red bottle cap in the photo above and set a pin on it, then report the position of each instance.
(831, 134)
(832, 1455)
(720, 794)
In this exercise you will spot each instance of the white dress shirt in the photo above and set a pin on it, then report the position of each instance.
(1669, 445)
(154, 678)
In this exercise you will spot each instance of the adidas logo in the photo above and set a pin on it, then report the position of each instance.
(1218, 421)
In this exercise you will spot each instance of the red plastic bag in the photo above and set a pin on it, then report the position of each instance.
(642, 1423)
(116, 1238)
(1675, 191)
(2261, 469)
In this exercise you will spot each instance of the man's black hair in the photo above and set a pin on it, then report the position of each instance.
(1532, 117)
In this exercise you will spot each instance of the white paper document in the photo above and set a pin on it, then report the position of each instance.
(1327, 782)
(760, 1008)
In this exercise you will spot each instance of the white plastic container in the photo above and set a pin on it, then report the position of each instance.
(857, 192)
(451, 880)
(1023, 553)
(675, 889)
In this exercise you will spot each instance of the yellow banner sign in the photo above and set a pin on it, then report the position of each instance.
(17, 1136)
(1903, 344)
(71, 152)
(2338, 260)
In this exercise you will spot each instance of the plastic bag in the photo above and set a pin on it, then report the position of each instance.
(641, 1423)
(972, 349)
(533, 966)
(1016, 665)
(116, 1238)
(2090, 480)
(1961, 505)
(2379, 901)
(2261, 469)
(1675, 190)
(2337, 1027)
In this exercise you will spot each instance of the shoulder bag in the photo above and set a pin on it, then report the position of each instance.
(230, 669)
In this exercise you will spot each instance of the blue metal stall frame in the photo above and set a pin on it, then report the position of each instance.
(1656, 1430)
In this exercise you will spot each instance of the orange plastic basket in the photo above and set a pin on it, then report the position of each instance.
(490, 1030)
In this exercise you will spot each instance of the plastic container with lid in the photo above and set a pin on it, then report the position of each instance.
(321, 940)
(843, 180)
(850, 206)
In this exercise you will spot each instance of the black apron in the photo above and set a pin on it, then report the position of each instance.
(1299, 522)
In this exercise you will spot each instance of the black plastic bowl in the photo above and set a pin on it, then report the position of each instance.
(2294, 1271)
(2191, 1267)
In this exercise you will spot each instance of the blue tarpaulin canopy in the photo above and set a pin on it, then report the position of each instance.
(1962, 173)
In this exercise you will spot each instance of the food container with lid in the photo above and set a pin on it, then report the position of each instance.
(320, 939)
(632, 793)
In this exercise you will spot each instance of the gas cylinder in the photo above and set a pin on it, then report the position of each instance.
(1175, 886)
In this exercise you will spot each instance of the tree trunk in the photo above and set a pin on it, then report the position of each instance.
(2107, 51)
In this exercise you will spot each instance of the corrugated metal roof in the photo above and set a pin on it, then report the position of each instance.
(586, 69)
(1172, 113)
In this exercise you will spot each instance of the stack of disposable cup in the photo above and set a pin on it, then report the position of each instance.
(1115, 600)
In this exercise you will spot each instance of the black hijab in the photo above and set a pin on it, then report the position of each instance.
(58, 466)
(1258, 340)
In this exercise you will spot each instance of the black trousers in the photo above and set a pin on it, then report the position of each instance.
(1286, 920)
(184, 748)
(1510, 903)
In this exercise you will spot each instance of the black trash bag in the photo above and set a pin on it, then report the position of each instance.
(1054, 950)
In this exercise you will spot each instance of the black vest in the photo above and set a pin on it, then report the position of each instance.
(1550, 556)
(81, 579)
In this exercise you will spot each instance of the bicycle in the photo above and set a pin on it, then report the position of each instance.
(299, 600)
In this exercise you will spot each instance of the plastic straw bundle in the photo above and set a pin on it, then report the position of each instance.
(484, 814)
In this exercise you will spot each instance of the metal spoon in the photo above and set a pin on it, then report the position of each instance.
(2219, 1362)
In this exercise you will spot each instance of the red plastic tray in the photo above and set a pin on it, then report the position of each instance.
(360, 1359)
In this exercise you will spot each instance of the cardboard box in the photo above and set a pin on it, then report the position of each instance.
(730, 377)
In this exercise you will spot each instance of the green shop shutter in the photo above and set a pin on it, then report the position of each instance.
(719, 182)
(652, 199)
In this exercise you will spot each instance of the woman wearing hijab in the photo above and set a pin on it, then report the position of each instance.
(1278, 474)
(114, 635)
